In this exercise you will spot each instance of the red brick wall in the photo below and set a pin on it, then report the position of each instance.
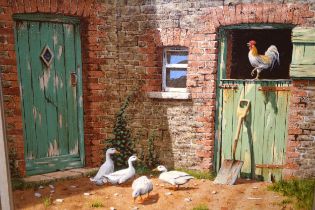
(300, 146)
(122, 44)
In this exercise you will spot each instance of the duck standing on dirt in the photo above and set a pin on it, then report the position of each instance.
(141, 186)
(106, 168)
(174, 178)
(123, 175)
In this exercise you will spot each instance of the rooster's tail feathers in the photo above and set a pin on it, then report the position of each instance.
(273, 54)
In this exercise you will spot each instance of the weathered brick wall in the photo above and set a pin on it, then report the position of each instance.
(192, 24)
(122, 44)
(301, 141)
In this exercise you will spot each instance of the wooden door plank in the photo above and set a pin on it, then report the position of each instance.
(39, 107)
(303, 62)
(247, 153)
(50, 164)
(258, 127)
(269, 128)
(79, 93)
(25, 73)
(50, 93)
(303, 54)
(303, 34)
(60, 86)
(219, 115)
(227, 122)
(71, 90)
(298, 52)
(308, 57)
(237, 97)
(281, 128)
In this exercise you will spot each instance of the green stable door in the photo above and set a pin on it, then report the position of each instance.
(262, 141)
(264, 133)
(49, 67)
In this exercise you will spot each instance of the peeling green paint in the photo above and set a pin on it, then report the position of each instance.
(52, 111)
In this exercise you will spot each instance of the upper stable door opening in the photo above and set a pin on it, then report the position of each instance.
(239, 63)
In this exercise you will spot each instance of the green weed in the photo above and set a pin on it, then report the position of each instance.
(201, 207)
(301, 190)
(47, 201)
(97, 204)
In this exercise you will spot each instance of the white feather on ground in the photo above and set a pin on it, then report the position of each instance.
(141, 186)
(174, 178)
(123, 175)
(106, 168)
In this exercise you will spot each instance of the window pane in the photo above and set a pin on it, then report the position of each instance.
(177, 57)
(176, 78)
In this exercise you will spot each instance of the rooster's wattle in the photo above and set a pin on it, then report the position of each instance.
(262, 62)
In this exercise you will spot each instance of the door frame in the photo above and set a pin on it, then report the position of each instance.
(221, 74)
(75, 21)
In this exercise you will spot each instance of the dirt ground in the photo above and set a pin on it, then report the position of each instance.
(244, 195)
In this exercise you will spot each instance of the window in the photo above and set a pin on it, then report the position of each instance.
(175, 62)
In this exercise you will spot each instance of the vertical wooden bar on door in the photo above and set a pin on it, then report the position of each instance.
(61, 87)
(79, 92)
(39, 107)
(71, 90)
(247, 135)
(26, 87)
(227, 122)
(237, 97)
(50, 92)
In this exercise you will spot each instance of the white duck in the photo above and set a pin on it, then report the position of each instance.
(123, 175)
(174, 178)
(141, 186)
(106, 168)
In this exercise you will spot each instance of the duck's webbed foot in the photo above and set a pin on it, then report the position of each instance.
(141, 200)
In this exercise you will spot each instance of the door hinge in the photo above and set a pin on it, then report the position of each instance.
(269, 166)
(271, 88)
(226, 86)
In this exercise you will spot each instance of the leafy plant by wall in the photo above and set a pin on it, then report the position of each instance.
(151, 159)
(148, 153)
(122, 140)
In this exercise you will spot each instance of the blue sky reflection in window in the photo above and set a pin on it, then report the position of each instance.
(174, 57)
(176, 77)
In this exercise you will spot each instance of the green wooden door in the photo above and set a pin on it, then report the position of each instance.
(303, 59)
(49, 66)
(262, 142)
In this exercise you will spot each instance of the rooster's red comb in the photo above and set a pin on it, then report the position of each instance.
(252, 42)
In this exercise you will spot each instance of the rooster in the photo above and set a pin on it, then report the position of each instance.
(262, 62)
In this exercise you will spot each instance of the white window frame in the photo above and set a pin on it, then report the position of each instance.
(175, 66)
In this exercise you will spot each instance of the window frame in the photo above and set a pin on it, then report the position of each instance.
(174, 66)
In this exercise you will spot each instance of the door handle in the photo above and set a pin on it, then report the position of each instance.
(73, 79)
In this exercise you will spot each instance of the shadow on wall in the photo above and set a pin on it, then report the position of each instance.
(171, 121)
(140, 60)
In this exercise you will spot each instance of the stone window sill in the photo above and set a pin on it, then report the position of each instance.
(170, 95)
